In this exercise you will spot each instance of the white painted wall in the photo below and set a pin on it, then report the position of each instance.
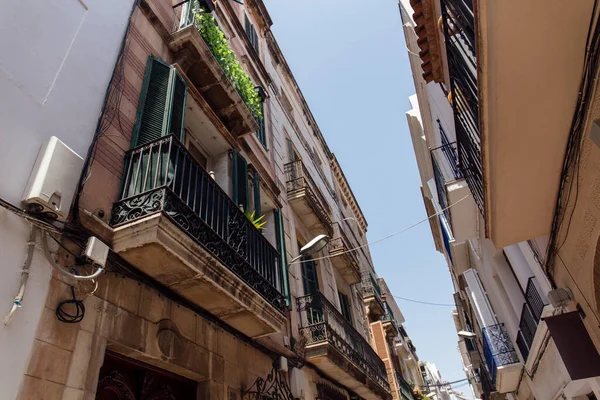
(56, 59)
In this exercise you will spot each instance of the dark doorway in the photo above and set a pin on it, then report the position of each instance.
(122, 378)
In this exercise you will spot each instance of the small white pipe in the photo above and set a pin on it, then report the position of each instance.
(24, 276)
(99, 270)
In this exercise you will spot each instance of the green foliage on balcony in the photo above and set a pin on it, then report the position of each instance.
(216, 41)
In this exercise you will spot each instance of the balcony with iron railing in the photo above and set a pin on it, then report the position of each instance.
(388, 321)
(306, 198)
(174, 223)
(212, 70)
(343, 258)
(372, 298)
(459, 33)
(452, 190)
(332, 344)
(501, 358)
(531, 315)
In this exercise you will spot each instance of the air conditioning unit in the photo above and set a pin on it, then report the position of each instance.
(53, 180)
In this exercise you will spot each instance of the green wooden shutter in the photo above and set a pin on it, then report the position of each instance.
(178, 102)
(345, 306)
(309, 275)
(161, 108)
(261, 133)
(280, 236)
(256, 184)
(240, 180)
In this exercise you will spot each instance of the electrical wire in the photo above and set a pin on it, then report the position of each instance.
(65, 316)
(572, 160)
(425, 302)
(300, 261)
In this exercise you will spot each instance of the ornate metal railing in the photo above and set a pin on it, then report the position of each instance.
(440, 186)
(370, 287)
(341, 245)
(459, 32)
(405, 391)
(450, 152)
(321, 322)
(498, 349)
(298, 179)
(162, 176)
(388, 316)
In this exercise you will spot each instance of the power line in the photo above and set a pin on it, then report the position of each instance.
(385, 237)
(425, 302)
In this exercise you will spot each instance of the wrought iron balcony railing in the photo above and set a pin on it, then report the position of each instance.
(162, 176)
(339, 247)
(440, 186)
(530, 318)
(370, 287)
(498, 349)
(459, 32)
(450, 153)
(321, 322)
(299, 180)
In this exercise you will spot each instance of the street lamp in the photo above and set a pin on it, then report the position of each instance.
(467, 334)
(314, 246)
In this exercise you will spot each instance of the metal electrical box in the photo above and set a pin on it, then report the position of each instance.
(54, 178)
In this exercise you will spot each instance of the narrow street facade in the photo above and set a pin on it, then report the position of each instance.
(174, 224)
(507, 154)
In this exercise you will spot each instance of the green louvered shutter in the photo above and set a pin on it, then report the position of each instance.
(161, 108)
(256, 184)
(240, 180)
(280, 235)
(345, 306)
(309, 275)
(178, 101)
(311, 286)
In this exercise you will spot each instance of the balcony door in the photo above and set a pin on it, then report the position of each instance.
(310, 280)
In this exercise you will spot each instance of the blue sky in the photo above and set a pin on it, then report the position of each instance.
(350, 61)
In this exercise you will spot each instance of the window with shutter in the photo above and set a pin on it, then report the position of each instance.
(309, 275)
(240, 180)
(311, 286)
(251, 33)
(256, 187)
(280, 237)
(161, 108)
(345, 306)
(261, 133)
(290, 150)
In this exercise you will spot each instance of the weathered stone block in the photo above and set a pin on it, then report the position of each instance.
(80, 361)
(185, 319)
(153, 306)
(51, 330)
(49, 362)
(39, 389)
(73, 394)
(217, 368)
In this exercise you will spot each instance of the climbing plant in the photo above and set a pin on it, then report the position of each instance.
(216, 41)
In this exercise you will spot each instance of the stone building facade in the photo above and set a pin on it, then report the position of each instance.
(510, 165)
(196, 301)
